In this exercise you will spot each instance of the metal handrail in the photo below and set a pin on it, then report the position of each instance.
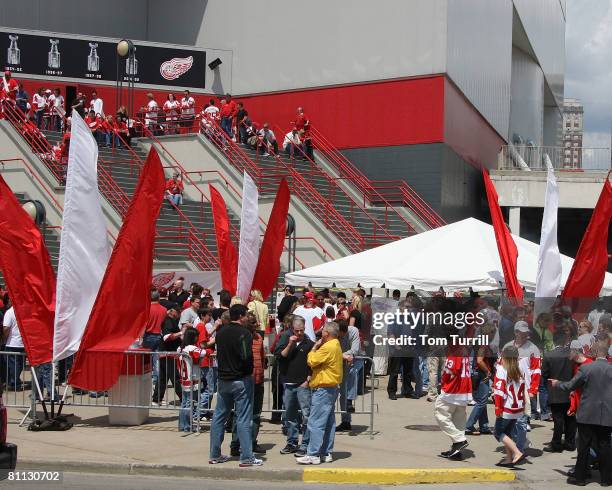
(108, 187)
(423, 210)
(235, 233)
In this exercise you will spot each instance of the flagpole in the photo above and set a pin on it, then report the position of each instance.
(42, 400)
(52, 389)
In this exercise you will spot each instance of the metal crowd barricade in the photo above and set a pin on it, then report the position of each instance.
(364, 404)
(16, 379)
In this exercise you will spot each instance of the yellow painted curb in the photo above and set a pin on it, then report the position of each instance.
(396, 476)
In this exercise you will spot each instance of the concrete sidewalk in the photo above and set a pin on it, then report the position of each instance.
(406, 437)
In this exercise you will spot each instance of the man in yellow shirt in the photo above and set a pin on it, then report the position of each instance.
(325, 360)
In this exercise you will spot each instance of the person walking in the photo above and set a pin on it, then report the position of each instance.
(451, 404)
(325, 360)
(594, 415)
(235, 388)
(509, 396)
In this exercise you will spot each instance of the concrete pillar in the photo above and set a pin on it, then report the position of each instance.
(515, 220)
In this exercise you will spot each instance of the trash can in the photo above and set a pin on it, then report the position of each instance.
(133, 389)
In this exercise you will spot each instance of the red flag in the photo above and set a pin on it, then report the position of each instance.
(508, 252)
(228, 257)
(268, 265)
(29, 278)
(588, 272)
(122, 305)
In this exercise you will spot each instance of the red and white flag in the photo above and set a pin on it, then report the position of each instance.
(121, 308)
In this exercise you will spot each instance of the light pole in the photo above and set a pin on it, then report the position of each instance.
(128, 71)
(291, 244)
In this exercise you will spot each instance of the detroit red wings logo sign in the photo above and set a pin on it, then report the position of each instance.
(174, 68)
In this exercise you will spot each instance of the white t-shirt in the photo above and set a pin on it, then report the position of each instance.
(151, 114)
(10, 321)
(39, 102)
(309, 314)
(98, 106)
(188, 105)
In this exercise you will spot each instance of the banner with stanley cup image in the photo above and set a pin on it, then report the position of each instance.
(95, 59)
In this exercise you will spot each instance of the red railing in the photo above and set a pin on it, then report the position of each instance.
(404, 194)
(241, 161)
(108, 187)
(300, 187)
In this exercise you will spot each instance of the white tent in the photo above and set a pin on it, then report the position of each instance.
(456, 256)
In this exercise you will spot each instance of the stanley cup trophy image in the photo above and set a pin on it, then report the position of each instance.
(131, 64)
(54, 54)
(93, 60)
(13, 55)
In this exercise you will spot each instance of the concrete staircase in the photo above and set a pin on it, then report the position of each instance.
(51, 237)
(374, 224)
(172, 241)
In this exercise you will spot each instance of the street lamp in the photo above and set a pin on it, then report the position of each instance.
(128, 70)
(36, 210)
(292, 243)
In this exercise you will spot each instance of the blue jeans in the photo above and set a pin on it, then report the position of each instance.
(519, 434)
(152, 341)
(108, 138)
(38, 116)
(424, 370)
(209, 375)
(226, 125)
(187, 409)
(479, 411)
(238, 394)
(14, 367)
(176, 199)
(322, 421)
(349, 387)
(296, 398)
(43, 375)
(543, 396)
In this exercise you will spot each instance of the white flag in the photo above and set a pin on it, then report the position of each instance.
(84, 247)
(548, 279)
(248, 253)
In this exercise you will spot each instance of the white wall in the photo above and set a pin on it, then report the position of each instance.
(479, 56)
(282, 45)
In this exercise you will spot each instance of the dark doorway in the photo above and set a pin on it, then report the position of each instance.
(71, 93)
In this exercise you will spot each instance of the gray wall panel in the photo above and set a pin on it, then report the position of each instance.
(544, 22)
(479, 55)
(434, 171)
(527, 110)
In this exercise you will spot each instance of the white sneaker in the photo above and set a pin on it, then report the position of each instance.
(328, 458)
(308, 460)
(266, 155)
(250, 462)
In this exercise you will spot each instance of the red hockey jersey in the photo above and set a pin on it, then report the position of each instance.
(508, 394)
(456, 381)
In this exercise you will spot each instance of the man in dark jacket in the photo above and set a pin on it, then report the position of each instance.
(235, 389)
(292, 353)
(286, 303)
(558, 365)
(171, 341)
(594, 414)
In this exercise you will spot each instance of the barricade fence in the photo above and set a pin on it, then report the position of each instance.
(168, 381)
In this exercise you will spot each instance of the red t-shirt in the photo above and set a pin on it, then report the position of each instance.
(204, 336)
(226, 110)
(12, 88)
(300, 122)
(175, 187)
(157, 315)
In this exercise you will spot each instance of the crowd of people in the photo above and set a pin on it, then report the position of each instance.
(552, 368)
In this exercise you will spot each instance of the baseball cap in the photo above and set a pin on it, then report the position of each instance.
(309, 295)
(521, 326)
(7, 73)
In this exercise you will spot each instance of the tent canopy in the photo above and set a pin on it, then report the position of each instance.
(457, 256)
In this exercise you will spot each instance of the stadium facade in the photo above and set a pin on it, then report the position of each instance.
(419, 90)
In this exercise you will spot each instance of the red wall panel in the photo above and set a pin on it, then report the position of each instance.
(388, 113)
(401, 112)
